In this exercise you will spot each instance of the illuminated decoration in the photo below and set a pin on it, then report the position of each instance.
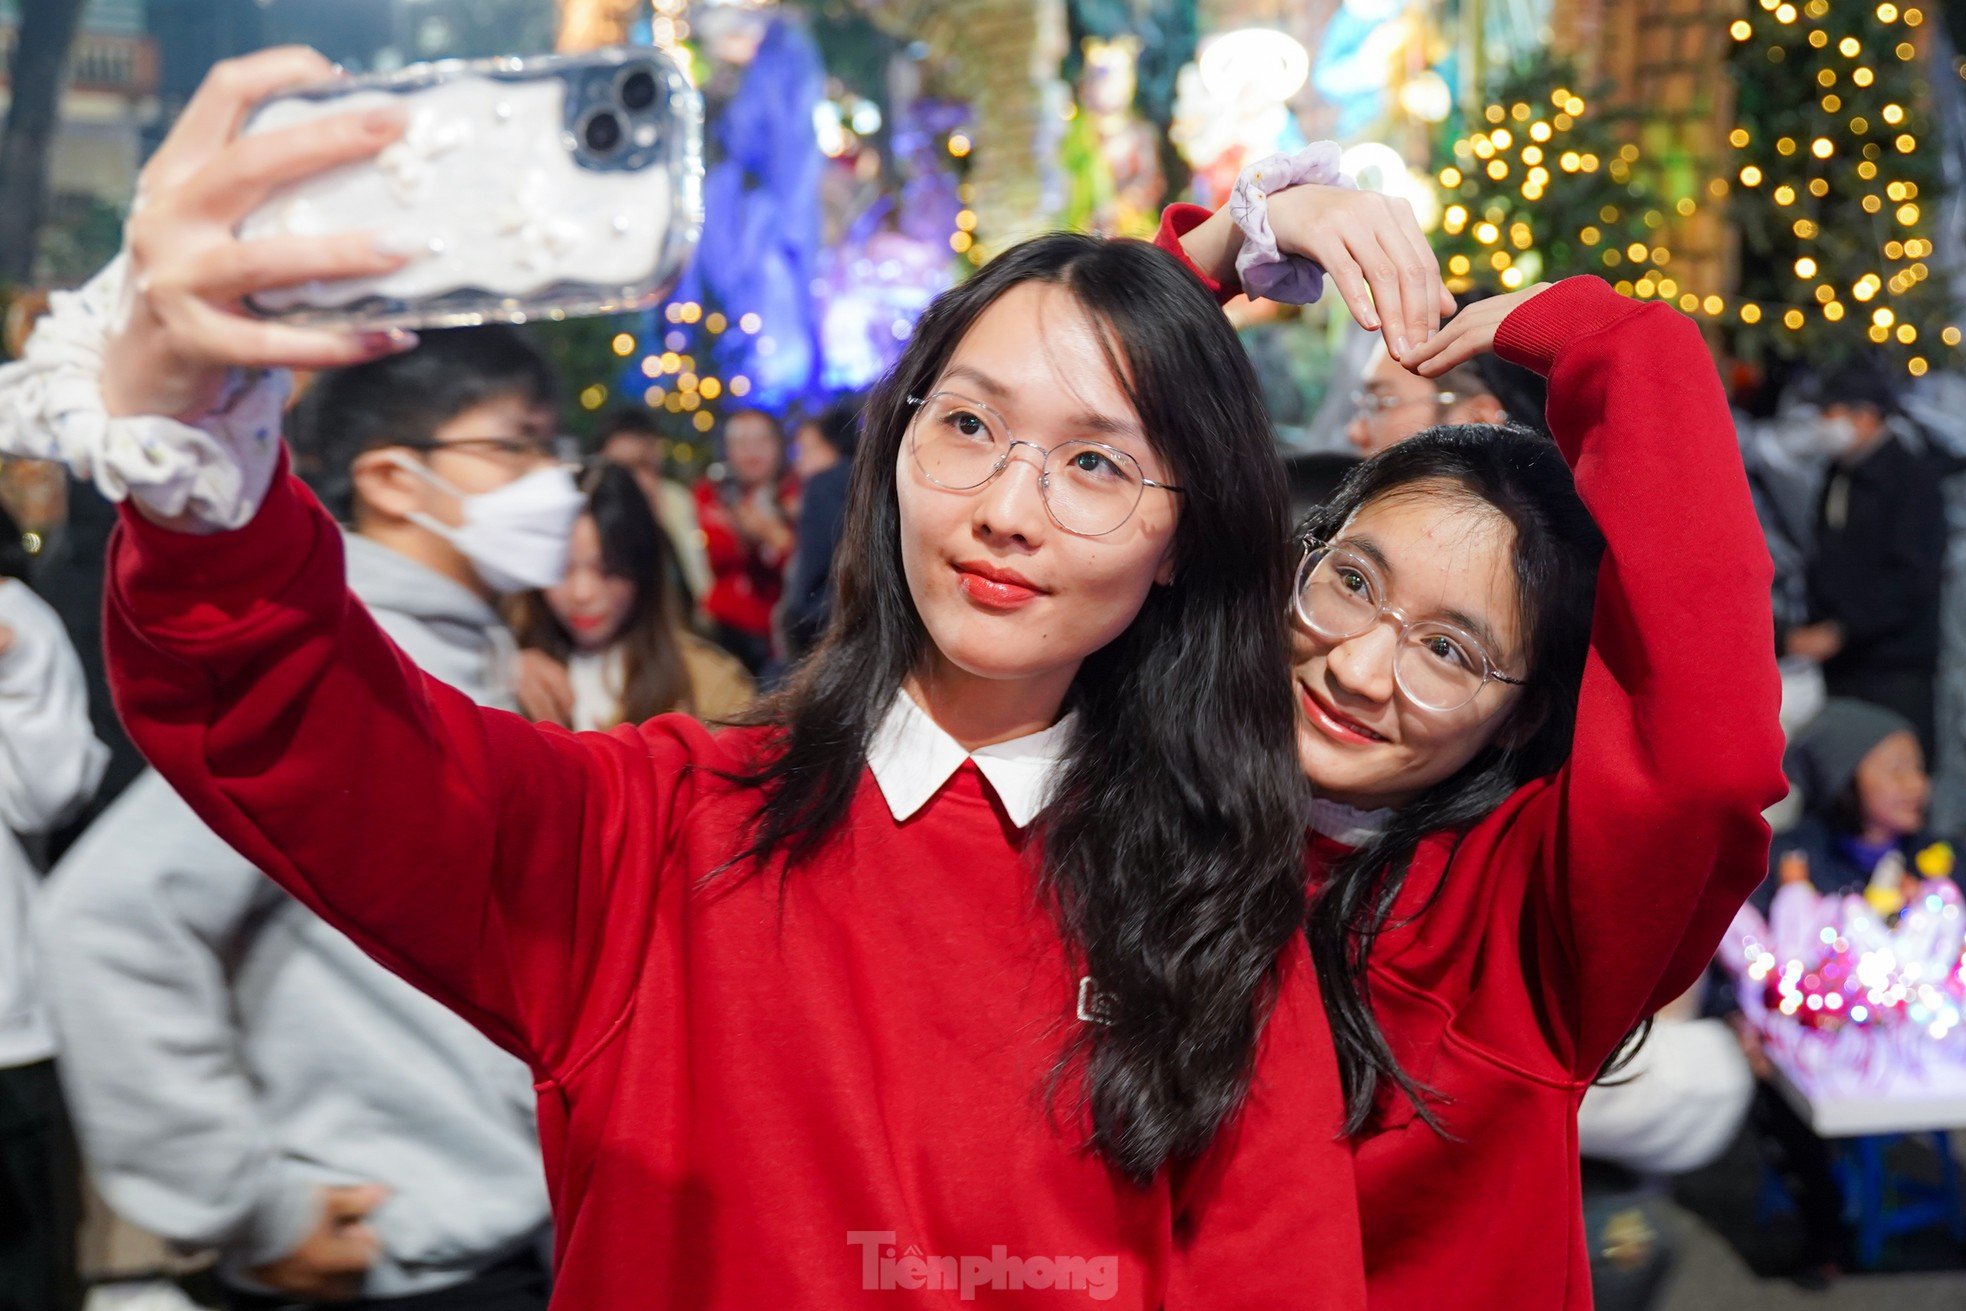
(896, 255)
(664, 24)
(1109, 156)
(1376, 166)
(1254, 66)
(1367, 54)
(1541, 181)
(1427, 97)
(1836, 202)
(591, 24)
(1230, 106)
(761, 233)
(1218, 137)
(1859, 990)
(842, 125)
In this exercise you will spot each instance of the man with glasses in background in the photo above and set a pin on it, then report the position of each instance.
(244, 1078)
(1392, 404)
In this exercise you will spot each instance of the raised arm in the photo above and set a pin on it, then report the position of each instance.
(503, 868)
(475, 855)
(1369, 244)
(1648, 840)
(1652, 836)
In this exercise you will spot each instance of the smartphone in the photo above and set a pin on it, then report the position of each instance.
(539, 187)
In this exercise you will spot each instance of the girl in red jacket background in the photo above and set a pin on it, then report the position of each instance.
(1537, 702)
(972, 967)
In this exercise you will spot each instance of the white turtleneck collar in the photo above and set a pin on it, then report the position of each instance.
(1347, 824)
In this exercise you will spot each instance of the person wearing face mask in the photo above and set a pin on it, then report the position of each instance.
(1876, 563)
(969, 969)
(243, 1076)
(608, 644)
(1540, 743)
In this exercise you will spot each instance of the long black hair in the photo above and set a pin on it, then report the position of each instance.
(654, 679)
(1521, 476)
(1172, 845)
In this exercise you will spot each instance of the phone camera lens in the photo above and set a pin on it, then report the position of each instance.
(602, 132)
(638, 89)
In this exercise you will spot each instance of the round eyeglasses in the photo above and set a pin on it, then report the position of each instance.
(1090, 489)
(1374, 404)
(1437, 666)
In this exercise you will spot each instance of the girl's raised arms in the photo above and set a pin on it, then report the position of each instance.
(1370, 244)
(1467, 334)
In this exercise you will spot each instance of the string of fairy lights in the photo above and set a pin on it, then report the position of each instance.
(1535, 184)
(1851, 136)
(1500, 229)
(675, 380)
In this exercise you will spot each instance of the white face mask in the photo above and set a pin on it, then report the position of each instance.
(515, 536)
(1834, 436)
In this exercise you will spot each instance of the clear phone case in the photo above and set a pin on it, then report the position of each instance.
(540, 188)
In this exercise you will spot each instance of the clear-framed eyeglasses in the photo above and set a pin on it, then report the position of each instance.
(1437, 666)
(1372, 404)
(1090, 489)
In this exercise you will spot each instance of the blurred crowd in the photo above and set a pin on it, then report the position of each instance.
(242, 1081)
(244, 1084)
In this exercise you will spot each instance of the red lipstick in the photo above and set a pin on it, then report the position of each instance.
(996, 588)
(1338, 727)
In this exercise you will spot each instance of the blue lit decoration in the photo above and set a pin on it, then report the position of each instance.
(896, 255)
(829, 226)
(1354, 62)
(761, 231)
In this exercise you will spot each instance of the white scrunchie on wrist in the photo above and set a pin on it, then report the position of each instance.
(215, 469)
(1266, 272)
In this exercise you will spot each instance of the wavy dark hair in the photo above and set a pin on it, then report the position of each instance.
(654, 679)
(1521, 476)
(1172, 846)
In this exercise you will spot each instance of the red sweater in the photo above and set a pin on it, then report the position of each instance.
(1525, 949)
(746, 580)
(743, 1102)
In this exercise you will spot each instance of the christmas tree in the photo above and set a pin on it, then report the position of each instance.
(1832, 195)
(1544, 185)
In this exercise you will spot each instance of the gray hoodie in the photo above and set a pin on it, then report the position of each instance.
(226, 1053)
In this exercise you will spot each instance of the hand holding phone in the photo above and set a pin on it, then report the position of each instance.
(181, 326)
(206, 259)
(522, 187)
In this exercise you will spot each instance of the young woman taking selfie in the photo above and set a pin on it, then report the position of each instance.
(977, 957)
(1537, 701)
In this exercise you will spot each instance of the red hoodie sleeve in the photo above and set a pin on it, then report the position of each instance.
(1268, 1216)
(481, 858)
(1176, 222)
(1651, 836)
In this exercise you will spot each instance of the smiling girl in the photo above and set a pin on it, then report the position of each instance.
(607, 644)
(1537, 701)
(974, 964)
